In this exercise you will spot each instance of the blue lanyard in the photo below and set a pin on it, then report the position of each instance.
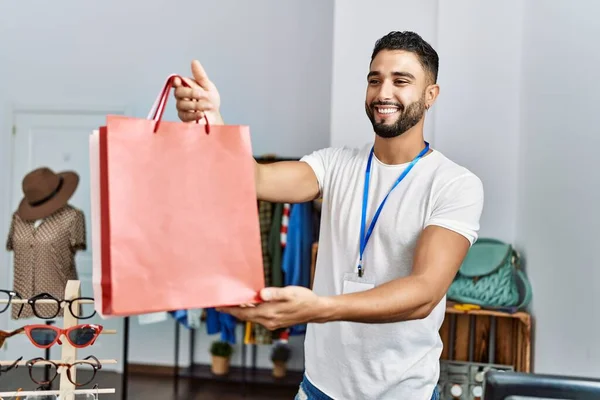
(364, 239)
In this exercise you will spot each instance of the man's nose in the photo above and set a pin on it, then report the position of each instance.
(386, 92)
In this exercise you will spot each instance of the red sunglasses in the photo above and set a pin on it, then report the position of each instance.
(45, 336)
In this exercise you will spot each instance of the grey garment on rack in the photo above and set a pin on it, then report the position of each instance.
(152, 318)
(194, 317)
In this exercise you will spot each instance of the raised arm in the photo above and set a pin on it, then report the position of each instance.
(286, 182)
(280, 182)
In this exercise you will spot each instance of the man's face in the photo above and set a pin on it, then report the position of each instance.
(396, 88)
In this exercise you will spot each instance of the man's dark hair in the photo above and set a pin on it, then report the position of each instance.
(410, 41)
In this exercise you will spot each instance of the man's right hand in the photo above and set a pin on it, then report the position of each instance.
(202, 97)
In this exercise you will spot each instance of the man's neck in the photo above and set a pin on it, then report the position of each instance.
(400, 149)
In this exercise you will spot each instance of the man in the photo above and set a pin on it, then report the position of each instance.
(383, 270)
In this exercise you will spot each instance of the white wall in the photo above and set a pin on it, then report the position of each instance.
(477, 112)
(557, 219)
(271, 69)
(270, 59)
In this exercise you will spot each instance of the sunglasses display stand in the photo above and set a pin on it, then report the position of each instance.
(67, 389)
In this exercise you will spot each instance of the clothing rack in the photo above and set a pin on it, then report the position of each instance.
(67, 389)
(125, 374)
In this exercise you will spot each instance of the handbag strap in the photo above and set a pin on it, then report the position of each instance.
(527, 289)
(489, 240)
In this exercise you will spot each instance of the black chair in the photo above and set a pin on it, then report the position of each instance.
(500, 385)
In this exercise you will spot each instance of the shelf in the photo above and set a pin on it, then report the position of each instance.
(259, 376)
(521, 315)
(67, 351)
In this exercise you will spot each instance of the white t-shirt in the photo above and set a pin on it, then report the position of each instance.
(400, 360)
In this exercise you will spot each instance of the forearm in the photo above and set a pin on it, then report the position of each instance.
(285, 182)
(399, 300)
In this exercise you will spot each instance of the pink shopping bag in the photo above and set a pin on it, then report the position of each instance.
(175, 220)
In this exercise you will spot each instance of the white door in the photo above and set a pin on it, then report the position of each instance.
(59, 139)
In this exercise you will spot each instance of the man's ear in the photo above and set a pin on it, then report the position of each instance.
(431, 94)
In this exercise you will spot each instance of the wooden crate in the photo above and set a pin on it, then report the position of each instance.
(511, 345)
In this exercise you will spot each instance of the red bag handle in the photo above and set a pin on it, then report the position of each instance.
(158, 108)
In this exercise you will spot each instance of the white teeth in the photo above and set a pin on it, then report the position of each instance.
(387, 110)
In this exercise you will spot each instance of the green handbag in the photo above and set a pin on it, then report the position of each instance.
(489, 277)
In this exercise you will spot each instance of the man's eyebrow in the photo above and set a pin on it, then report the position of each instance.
(395, 73)
(404, 75)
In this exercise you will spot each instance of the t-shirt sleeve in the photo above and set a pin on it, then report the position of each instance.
(320, 161)
(459, 205)
(78, 237)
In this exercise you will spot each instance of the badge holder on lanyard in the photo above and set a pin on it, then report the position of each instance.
(365, 238)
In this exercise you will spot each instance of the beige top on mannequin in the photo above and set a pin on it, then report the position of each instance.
(45, 233)
(44, 257)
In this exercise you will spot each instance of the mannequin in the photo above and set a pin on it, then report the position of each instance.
(45, 233)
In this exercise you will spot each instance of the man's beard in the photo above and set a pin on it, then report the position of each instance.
(409, 117)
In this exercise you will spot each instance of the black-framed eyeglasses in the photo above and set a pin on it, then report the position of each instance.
(6, 298)
(5, 369)
(46, 306)
(88, 365)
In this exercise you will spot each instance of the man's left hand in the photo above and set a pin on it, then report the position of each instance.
(282, 307)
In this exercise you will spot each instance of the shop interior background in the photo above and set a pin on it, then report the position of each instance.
(518, 106)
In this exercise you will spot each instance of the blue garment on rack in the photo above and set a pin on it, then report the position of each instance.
(297, 253)
(181, 317)
(221, 322)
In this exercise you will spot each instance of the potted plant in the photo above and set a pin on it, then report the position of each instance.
(221, 353)
(280, 355)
